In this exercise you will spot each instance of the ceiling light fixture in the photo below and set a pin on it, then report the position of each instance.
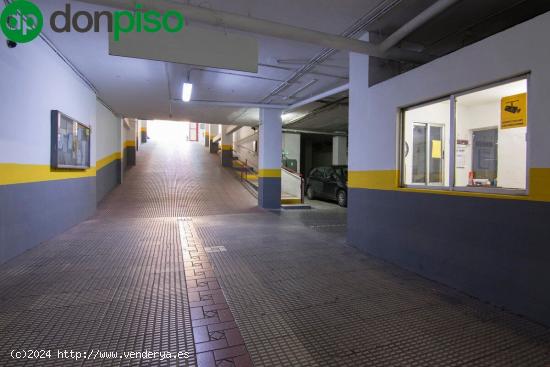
(186, 92)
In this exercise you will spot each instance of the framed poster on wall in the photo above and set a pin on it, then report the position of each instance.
(70, 145)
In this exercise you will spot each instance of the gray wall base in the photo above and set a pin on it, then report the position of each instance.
(213, 147)
(496, 250)
(107, 178)
(130, 156)
(227, 158)
(32, 213)
(269, 193)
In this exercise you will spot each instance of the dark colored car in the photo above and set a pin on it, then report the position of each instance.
(329, 183)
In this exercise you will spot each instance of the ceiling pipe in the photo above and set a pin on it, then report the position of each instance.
(301, 89)
(259, 26)
(415, 23)
(279, 67)
(315, 132)
(247, 24)
(234, 104)
(317, 97)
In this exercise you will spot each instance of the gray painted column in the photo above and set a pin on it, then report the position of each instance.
(214, 129)
(206, 135)
(339, 151)
(269, 163)
(227, 146)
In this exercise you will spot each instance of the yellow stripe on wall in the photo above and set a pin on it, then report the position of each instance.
(269, 173)
(107, 160)
(388, 180)
(227, 147)
(539, 184)
(129, 143)
(376, 180)
(13, 173)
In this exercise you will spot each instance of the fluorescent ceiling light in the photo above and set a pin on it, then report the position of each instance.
(186, 93)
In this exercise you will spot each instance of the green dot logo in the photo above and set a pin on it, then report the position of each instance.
(21, 21)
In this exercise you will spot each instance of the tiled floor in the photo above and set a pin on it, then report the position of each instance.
(117, 282)
(179, 258)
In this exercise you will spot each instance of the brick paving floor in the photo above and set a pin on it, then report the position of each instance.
(179, 258)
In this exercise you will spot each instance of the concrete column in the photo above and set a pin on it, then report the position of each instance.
(339, 151)
(206, 135)
(143, 132)
(269, 163)
(227, 146)
(130, 145)
(214, 129)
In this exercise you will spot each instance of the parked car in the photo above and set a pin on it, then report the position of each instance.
(329, 183)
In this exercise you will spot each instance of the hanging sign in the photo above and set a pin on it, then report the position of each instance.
(192, 45)
(513, 111)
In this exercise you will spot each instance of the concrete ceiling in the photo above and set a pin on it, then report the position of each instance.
(150, 89)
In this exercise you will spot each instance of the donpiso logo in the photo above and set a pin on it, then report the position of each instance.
(21, 21)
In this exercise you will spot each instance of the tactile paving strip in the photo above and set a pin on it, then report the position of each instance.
(218, 341)
(302, 298)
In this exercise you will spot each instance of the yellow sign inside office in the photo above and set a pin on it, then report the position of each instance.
(437, 151)
(513, 111)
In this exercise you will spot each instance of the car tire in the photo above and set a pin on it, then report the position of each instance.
(342, 198)
(310, 193)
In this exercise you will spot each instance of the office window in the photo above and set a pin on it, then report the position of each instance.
(425, 144)
(491, 138)
(486, 138)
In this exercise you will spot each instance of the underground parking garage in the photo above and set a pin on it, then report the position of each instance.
(302, 183)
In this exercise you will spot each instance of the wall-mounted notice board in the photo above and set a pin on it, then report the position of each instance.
(71, 141)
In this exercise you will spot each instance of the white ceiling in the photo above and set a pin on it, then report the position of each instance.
(148, 89)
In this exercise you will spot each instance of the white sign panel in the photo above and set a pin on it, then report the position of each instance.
(193, 45)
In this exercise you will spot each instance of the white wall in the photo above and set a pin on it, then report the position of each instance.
(291, 184)
(108, 132)
(374, 111)
(34, 81)
(339, 151)
(291, 146)
(243, 145)
(130, 130)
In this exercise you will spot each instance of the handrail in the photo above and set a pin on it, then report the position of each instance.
(291, 171)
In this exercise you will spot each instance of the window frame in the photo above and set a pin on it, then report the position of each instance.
(451, 154)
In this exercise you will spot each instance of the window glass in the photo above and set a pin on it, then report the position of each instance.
(426, 141)
(491, 144)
